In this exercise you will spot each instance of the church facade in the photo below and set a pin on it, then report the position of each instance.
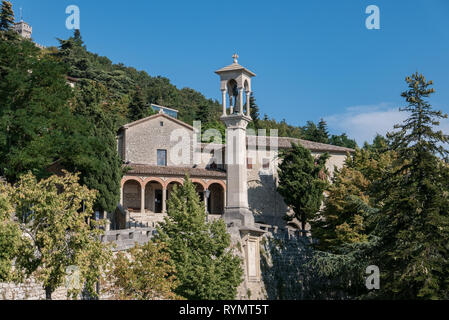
(159, 151)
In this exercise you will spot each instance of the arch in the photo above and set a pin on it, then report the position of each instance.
(221, 183)
(232, 85)
(233, 93)
(153, 179)
(132, 195)
(154, 189)
(200, 182)
(174, 180)
(216, 199)
(130, 178)
(170, 185)
(200, 188)
(246, 86)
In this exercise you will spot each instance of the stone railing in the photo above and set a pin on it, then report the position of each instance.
(126, 239)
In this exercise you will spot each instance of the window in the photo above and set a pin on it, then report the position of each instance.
(162, 158)
(249, 163)
(266, 164)
(162, 123)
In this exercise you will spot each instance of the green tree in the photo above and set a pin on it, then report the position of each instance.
(255, 115)
(11, 240)
(205, 267)
(302, 180)
(143, 273)
(344, 218)
(343, 141)
(6, 16)
(204, 114)
(323, 133)
(91, 148)
(53, 214)
(379, 144)
(35, 116)
(413, 223)
(139, 108)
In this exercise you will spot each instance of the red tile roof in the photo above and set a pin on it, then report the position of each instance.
(176, 171)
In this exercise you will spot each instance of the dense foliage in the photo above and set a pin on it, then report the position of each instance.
(143, 273)
(389, 207)
(53, 215)
(205, 266)
(302, 180)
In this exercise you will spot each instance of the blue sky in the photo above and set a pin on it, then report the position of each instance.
(313, 59)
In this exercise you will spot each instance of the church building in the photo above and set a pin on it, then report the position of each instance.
(152, 148)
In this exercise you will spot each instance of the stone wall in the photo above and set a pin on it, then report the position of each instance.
(29, 290)
(141, 141)
(264, 201)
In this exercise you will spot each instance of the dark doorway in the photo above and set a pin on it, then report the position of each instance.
(158, 201)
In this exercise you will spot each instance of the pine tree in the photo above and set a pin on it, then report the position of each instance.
(254, 112)
(302, 181)
(311, 131)
(204, 114)
(343, 141)
(138, 108)
(323, 133)
(414, 220)
(6, 16)
(205, 267)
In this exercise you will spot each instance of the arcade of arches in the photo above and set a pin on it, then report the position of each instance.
(149, 195)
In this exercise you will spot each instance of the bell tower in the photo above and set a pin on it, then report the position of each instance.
(235, 87)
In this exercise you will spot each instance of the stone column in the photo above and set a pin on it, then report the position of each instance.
(237, 178)
(142, 201)
(164, 200)
(231, 105)
(224, 102)
(241, 100)
(122, 188)
(224, 200)
(248, 108)
(205, 200)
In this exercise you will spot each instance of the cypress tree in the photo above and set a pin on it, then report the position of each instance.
(302, 182)
(205, 267)
(254, 112)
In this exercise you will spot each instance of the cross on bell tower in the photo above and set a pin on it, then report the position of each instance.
(235, 57)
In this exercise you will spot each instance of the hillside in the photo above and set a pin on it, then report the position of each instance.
(125, 83)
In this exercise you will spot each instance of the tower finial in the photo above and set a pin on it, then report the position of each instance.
(235, 57)
(21, 14)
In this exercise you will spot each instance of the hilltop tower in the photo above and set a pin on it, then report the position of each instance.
(23, 28)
